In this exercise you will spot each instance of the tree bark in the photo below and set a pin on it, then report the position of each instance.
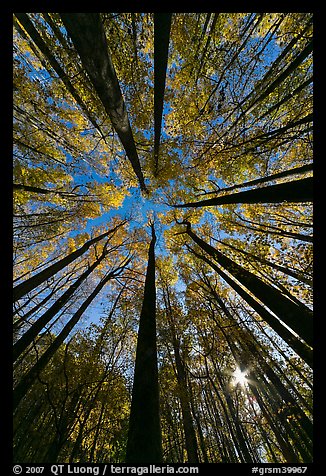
(29, 378)
(299, 320)
(268, 178)
(187, 420)
(87, 33)
(43, 47)
(294, 274)
(21, 345)
(144, 437)
(162, 25)
(297, 191)
(26, 286)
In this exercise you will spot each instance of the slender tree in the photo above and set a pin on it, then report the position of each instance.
(28, 379)
(31, 283)
(299, 320)
(162, 25)
(298, 191)
(188, 425)
(27, 338)
(286, 173)
(87, 33)
(144, 437)
(46, 51)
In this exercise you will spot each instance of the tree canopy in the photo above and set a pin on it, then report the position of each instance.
(162, 184)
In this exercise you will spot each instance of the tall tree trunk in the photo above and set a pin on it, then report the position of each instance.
(188, 426)
(21, 345)
(162, 25)
(144, 437)
(294, 274)
(87, 33)
(295, 191)
(29, 188)
(97, 432)
(296, 171)
(28, 379)
(198, 424)
(26, 286)
(68, 195)
(282, 76)
(299, 347)
(190, 435)
(287, 451)
(43, 47)
(299, 320)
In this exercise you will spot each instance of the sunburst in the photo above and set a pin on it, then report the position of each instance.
(239, 377)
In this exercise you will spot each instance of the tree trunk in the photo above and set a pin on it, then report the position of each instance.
(26, 286)
(299, 320)
(287, 451)
(144, 437)
(299, 347)
(294, 274)
(198, 424)
(190, 435)
(297, 191)
(87, 33)
(268, 178)
(29, 378)
(188, 426)
(29, 188)
(21, 345)
(162, 25)
(43, 47)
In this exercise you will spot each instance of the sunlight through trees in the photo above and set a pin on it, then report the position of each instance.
(162, 170)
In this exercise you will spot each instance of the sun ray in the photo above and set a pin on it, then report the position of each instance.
(239, 377)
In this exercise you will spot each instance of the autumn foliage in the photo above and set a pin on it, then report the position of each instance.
(162, 171)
